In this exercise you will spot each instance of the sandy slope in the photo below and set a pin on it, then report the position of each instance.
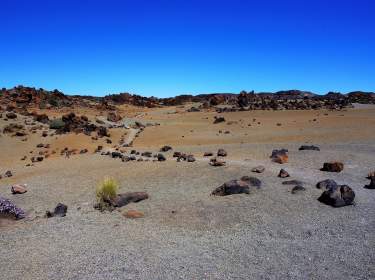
(186, 233)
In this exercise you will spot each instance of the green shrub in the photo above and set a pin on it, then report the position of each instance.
(106, 190)
(56, 124)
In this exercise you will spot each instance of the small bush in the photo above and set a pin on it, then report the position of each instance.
(106, 190)
(57, 124)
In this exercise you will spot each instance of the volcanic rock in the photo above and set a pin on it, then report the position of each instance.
(338, 196)
(258, 169)
(18, 189)
(280, 156)
(309, 148)
(297, 189)
(372, 183)
(165, 148)
(123, 199)
(283, 173)
(333, 166)
(60, 211)
(326, 184)
(133, 214)
(9, 208)
(217, 162)
(221, 153)
(237, 186)
(219, 119)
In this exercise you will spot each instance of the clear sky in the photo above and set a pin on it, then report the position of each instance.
(169, 47)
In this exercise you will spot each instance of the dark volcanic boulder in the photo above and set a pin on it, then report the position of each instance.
(60, 211)
(293, 182)
(9, 208)
(372, 183)
(232, 187)
(126, 198)
(326, 184)
(117, 155)
(333, 166)
(11, 115)
(309, 148)
(237, 186)
(338, 196)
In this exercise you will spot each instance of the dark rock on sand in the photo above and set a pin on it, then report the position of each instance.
(221, 153)
(208, 154)
(161, 157)
(338, 196)
(333, 166)
(217, 162)
(117, 155)
(293, 182)
(8, 174)
(298, 189)
(237, 186)
(11, 115)
(326, 184)
(190, 158)
(258, 169)
(309, 148)
(60, 211)
(219, 119)
(165, 148)
(126, 198)
(283, 173)
(372, 183)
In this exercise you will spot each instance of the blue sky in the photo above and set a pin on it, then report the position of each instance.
(170, 47)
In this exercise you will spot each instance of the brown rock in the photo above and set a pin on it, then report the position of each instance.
(333, 166)
(221, 153)
(217, 162)
(126, 198)
(133, 214)
(258, 169)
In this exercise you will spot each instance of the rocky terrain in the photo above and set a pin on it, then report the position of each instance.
(217, 186)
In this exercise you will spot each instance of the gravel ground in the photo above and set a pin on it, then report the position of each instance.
(186, 233)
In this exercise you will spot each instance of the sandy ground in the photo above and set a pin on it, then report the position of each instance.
(186, 233)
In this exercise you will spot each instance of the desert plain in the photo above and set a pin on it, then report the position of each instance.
(186, 232)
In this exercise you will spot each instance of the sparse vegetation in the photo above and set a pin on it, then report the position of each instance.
(57, 124)
(106, 190)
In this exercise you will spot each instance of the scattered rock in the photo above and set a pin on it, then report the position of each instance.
(190, 158)
(133, 214)
(293, 182)
(60, 211)
(161, 157)
(11, 115)
(283, 173)
(372, 183)
(113, 117)
(165, 148)
(219, 119)
(83, 151)
(221, 153)
(217, 162)
(326, 184)
(371, 174)
(8, 174)
(333, 166)
(298, 189)
(309, 148)
(258, 169)
(9, 208)
(208, 154)
(338, 196)
(18, 189)
(280, 156)
(237, 186)
(126, 198)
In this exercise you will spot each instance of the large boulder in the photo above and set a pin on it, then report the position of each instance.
(244, 185)
(338, 196)
(9, 208)
(333, 166)
(125, 198)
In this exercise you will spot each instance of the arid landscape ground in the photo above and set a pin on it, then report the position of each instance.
(186, 232)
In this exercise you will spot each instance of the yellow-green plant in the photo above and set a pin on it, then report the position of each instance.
(106, 190)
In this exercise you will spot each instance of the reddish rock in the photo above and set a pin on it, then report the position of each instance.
(18, 189)
(133, 214)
